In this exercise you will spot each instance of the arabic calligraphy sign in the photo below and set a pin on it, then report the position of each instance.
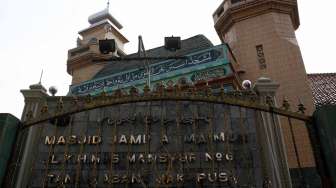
(157, 71)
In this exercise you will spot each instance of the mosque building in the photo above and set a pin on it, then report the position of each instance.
(243, 113)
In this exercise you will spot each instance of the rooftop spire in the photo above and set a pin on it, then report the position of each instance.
(41, 77)
(108, 4)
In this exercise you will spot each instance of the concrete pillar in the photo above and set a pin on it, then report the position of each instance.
(34, 97)
(271, 138)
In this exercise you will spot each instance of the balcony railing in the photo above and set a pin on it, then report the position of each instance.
(226, 5)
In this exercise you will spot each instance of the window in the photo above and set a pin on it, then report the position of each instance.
(261, 56)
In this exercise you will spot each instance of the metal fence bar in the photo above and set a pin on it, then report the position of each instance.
(297, 155)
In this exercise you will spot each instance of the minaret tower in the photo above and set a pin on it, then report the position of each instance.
(81, 64)
(261, 34)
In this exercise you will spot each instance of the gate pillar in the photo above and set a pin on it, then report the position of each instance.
(34, 97)
(271, 138)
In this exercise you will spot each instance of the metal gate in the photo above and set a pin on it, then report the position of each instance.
(170, 137)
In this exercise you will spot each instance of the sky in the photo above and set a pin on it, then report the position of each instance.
(37, 34)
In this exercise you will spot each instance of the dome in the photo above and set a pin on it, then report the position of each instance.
(102, 15)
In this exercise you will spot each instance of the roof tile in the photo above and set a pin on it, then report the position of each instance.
(324, 88)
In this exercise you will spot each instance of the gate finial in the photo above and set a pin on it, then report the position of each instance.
(301, 107)
(285, 104)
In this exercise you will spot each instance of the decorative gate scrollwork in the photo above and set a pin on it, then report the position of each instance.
(173, 137)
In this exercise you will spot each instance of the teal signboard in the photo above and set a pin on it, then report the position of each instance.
(194, 67)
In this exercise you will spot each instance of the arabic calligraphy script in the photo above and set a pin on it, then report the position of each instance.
(141, 74)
